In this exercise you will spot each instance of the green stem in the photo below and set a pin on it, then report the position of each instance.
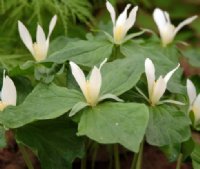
(25, 156)
(133, 164)
(179, 161)
(83, 163)
(139, 159)
(94, 155)
(116, 157)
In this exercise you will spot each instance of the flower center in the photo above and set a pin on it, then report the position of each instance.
(2, 106)
(39, 54)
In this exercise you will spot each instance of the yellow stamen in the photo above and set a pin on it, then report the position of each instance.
(2, 106)
(118, 34)
(38, 53)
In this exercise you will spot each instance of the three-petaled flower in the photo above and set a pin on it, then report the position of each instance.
(8, 93)
(156, 88)
(40, 48)
(167, 30)
(90, 87)
(194, 101)
(123, 23)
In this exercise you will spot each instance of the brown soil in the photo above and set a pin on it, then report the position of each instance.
(11, 158)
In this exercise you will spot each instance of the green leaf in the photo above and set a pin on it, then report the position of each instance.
(171, 151)
(167, 125)
(2, 137)
(196, 156)
(108, 123)
(44, 102)
(86, 53)
(164, 59)
(193, 56)
(187, 148)
(120, 75)
(54, 142)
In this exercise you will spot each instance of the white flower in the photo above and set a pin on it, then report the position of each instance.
(156, 88)
(166, 28)
(40, 48)
(90, 87)
(123, 23)
(194, 100)
(8, 93)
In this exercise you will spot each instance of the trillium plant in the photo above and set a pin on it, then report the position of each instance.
(120, 92)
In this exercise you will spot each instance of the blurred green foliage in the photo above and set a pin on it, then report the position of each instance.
(87, 14)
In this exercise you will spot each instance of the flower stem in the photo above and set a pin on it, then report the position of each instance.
(116, 156)
(25, 156)
(139, 159)
(179, 161)
(133, 164)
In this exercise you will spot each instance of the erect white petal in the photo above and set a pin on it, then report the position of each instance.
(167, 16)
(131, 18)
(168, 75)
(41, 39)
(110, 96)
(79, 76)
(111, 10)
(52, 25)
(191, 91)
(161, 18)
(8, 91)
(25, 37)
(158, 90)
(150, 74)
(95, 83)
(183, 23)
(196, 108)
(122, 17)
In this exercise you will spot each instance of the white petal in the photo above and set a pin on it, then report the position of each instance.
(8, 92)
(158, 90)
(102, 63)
(40, 37)
(171, 101)
(185, 22)
(131, 19)
(52, 25)
(168, 75)
(191, 91)
(110, 96)
(79, 76)
(122, 17)
(161, 18)
(25, 37)
(111, 10)
(167, 16)
(150, 74)
(196, 108)
(95, 83)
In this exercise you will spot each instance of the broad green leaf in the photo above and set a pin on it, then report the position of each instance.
(120, 75)
(196, 156)
(44, 102)
(167, 125)
(164, 59)
(2, 137)
(123, 123)
(86, 53)
(54, 142)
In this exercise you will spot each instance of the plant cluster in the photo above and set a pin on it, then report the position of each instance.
(134, 92)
